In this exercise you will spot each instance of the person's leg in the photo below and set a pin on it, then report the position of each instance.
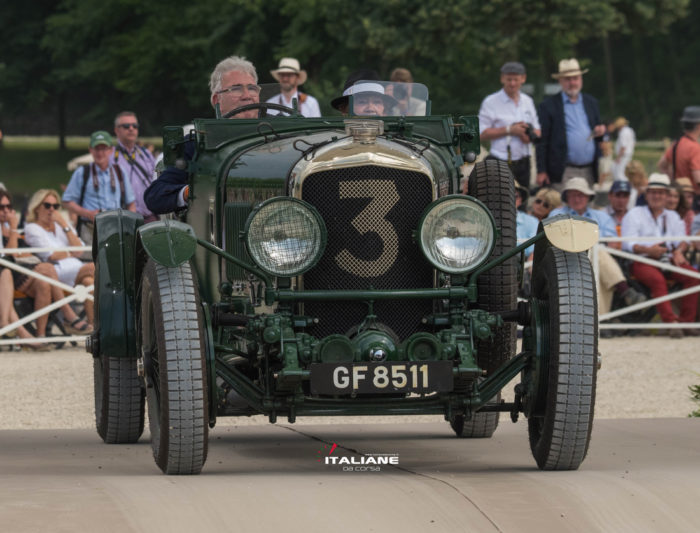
(7, 292)
(39, 291)
(689, 303)
(654, 279)
(48, 270)
(86, 276)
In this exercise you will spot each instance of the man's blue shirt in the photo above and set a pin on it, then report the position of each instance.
(580, 149)
(605, 222)
(105, 197)
(526, 228)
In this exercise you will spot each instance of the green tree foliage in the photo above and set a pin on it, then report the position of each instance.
(92, 58)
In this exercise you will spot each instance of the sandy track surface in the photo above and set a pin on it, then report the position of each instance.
(641, 377)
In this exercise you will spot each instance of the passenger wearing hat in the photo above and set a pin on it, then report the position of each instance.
(99, 186)
(368, 97)
(618, 200)
(504, 119)
(654, 220)
(571, 125)
(290, 76)
(683, 157)
(577, 195)
(624, 146)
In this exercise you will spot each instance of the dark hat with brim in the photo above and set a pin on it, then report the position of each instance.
(691, 114)
(360, 82)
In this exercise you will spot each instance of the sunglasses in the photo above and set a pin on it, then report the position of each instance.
(544, 203)
(5, 206)
(128, 126)
(48, 205)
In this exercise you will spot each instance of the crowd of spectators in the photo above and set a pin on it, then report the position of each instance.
(559, 152)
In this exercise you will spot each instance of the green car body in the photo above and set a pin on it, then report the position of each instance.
(359, 199)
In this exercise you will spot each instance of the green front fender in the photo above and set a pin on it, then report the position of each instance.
(114, 254)
(168, 242)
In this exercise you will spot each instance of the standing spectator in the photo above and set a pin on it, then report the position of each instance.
(637, 177)
(683, 157)
(624, 146)
(546, 199)
(100, 186)
(290, 77)
(505, 118)
(605, 164)
(408, 105)
(233, 84)
(618, 198)
(654, 220)
(46, 228)
(137, 163)
(577, 195)
(570, 123)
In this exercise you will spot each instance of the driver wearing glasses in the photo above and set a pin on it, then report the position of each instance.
(233, 84)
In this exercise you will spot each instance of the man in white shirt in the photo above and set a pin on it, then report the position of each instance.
(654, 220)
(624, 147)
(290, 77)
(505, 117)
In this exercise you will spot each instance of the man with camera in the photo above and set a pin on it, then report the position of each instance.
(508, 119)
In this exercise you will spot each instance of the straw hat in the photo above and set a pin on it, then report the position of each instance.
(659, 181)
(685, 184)
(568, 67)
(578, 184)
(290, 65)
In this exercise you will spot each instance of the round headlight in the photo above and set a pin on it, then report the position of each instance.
(285, 236)
(457, 234)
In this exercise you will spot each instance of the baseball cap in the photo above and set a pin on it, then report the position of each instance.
(100, 137)
(513, 67)
(621, 186)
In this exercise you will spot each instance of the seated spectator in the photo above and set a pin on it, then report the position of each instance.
(8, 314)
(545, 200)
(675, 201)
(618, 198)
(654, 220)
(687, 213)
(526, 225)
(577, 195)
(42, 292)
(46, 228)
(634, 171)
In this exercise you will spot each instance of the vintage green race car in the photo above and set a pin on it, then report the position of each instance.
(331, 266)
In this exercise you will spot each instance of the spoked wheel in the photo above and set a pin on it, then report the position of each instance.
(492, 182)
(563, 379)
(119, 400)
(171, 326)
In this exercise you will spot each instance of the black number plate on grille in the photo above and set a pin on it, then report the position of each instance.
(386, 378)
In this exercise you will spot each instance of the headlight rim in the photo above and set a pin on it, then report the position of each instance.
(320, 249)
(474, 265)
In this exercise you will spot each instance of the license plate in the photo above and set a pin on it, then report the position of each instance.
(381, 378)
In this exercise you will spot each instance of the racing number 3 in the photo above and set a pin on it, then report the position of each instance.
(384, 197)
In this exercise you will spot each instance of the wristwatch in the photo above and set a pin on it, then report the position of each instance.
(67, 229)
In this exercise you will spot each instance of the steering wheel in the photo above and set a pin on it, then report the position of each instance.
(263, 107)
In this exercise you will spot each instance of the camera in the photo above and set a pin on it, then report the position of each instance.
(530, 132)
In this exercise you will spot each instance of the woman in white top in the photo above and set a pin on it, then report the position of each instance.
(46, 228)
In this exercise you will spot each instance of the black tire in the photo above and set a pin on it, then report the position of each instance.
(565, 289)
(171, 338)
(492, 182)
(119, 400)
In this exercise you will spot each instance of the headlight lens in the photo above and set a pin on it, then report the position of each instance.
(457, 234)
(285, 236)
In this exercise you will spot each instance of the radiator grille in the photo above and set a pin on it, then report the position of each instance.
(370, 213)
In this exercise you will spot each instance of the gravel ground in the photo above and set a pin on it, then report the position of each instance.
(641, 377)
